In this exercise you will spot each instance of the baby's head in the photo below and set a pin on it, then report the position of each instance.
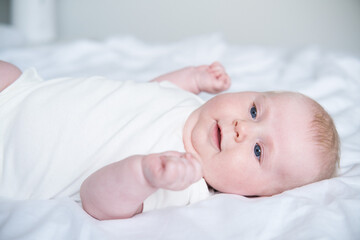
(253, 143)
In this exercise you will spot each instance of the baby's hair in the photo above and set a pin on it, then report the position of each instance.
(325, 137)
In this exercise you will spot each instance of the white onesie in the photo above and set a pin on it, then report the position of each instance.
(55, 133)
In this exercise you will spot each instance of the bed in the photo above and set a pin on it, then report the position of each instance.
(328, 209)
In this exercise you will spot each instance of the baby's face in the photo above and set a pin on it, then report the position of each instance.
(253, 143)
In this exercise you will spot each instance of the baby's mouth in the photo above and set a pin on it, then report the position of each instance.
(217, 136)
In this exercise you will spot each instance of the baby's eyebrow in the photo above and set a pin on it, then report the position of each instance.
(264, 101)
(262, 104)
(265, 96)
(269, 152)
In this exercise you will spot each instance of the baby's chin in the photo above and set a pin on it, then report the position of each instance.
(189, 148)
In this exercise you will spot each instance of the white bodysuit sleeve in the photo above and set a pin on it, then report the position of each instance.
(166, 198)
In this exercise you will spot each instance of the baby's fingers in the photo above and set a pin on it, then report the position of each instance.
(180, 172)
(171, 170)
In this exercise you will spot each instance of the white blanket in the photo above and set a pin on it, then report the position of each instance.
(325, 210)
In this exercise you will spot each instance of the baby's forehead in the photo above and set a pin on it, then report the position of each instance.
(284, 94)
(297, 156)
(285, 99)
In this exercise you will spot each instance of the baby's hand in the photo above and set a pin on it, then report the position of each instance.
(171, 170)
(213, 78)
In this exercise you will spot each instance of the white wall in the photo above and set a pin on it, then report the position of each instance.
(333, 24)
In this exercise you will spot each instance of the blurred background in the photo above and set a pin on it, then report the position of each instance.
(329, 24)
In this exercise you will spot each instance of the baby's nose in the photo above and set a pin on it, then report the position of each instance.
(240, 129)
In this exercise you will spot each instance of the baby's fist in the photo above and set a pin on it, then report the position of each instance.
(171, 170)
(213, 78)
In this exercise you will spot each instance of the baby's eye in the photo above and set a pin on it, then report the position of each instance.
(257, 151)
(253, 111)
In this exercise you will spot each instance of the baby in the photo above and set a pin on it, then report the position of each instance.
(247, 143)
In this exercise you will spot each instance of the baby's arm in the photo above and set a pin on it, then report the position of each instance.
(119, 189)
(8, 74)
(208, 78)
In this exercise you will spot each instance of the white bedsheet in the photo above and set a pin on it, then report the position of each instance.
(325, 210)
